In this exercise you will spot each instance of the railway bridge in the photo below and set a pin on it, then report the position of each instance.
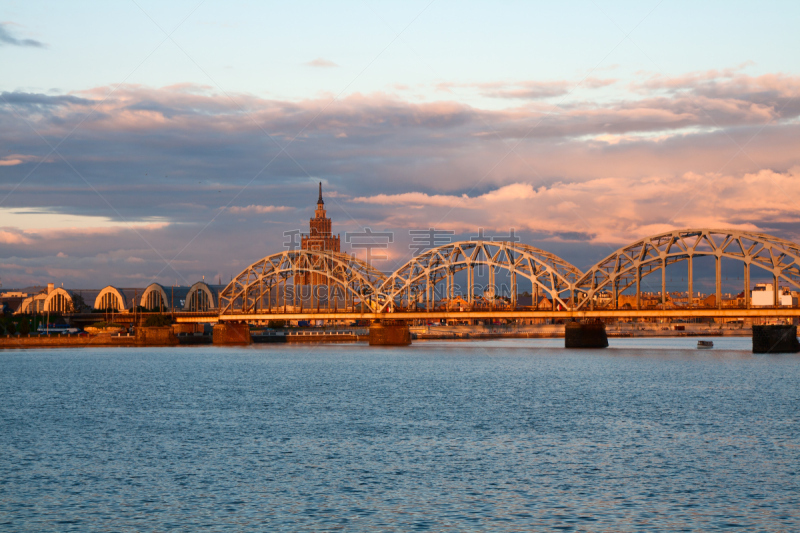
(484, 279)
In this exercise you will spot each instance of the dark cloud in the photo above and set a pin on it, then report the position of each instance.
(7, 39)
(573, 236)
(20, 99)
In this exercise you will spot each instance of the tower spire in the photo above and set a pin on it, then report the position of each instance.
(320, 195)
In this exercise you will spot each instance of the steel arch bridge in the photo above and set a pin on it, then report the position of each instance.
(627, 266)
(413, 288)
(269, 278)
(416, 281)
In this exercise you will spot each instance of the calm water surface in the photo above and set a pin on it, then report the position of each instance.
(515, 435)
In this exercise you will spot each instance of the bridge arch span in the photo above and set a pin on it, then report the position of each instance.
(627, 266)
(415, 282)
(276, 276)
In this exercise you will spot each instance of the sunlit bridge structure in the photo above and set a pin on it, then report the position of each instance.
(274, 284)
(486, 279)
(416, 282)
(629, 266)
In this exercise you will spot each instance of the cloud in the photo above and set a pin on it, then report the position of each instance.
(17, 159)
(10, 236)
(322, 63)
(715, 148)
(541, 90)
(528, 90)
(413, 198)
(45, 220)
(6, 38)
(258, 209)
(609, 210)
(29, 100)
(369, 119)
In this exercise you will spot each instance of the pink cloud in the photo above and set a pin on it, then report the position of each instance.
(611, 210)
(320, 62)
(257, 209)
(705, 100)
(18, 159)
(14, 237)
(527, 90)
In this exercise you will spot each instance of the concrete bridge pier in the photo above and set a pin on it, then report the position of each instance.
(232, 333)
(155, 336)
(389, 333)
(585, 335)
(775, 339)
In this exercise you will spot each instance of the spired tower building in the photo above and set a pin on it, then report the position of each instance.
(319, 238)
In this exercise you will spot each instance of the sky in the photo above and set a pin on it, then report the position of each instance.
(166, 141)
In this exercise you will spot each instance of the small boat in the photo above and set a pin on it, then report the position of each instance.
(705, 344)
(56, 328)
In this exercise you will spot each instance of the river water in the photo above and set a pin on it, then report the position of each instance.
(506, 435)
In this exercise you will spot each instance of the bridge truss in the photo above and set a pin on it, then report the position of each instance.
(416, 282)
(427, 283)
(628, 266)
(272, 284)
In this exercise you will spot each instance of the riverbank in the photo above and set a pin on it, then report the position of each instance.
(146, 336)
(556, 331)
(418, 334)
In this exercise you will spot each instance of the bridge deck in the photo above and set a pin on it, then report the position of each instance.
(473, 315)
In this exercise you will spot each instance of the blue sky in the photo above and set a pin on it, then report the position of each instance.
(263, 48)
(127, 156)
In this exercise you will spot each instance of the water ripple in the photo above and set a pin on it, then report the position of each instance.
(501, 436)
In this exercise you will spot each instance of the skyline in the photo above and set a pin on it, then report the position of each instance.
(170, 165)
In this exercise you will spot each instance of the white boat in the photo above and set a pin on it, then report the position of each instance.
(705, 344)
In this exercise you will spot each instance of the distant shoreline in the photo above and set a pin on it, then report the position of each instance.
(34, 342)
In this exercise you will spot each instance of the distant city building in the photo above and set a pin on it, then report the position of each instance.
(199, 297)
(320, 238)
(49, 300)
(14, 294)
(155, 298)
(159, 299)
(764, 294)
(202, 297)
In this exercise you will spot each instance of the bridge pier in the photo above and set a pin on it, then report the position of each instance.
(231, 333)
(155, 336)
(585, 335)
(775, 339)
(389, 333)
